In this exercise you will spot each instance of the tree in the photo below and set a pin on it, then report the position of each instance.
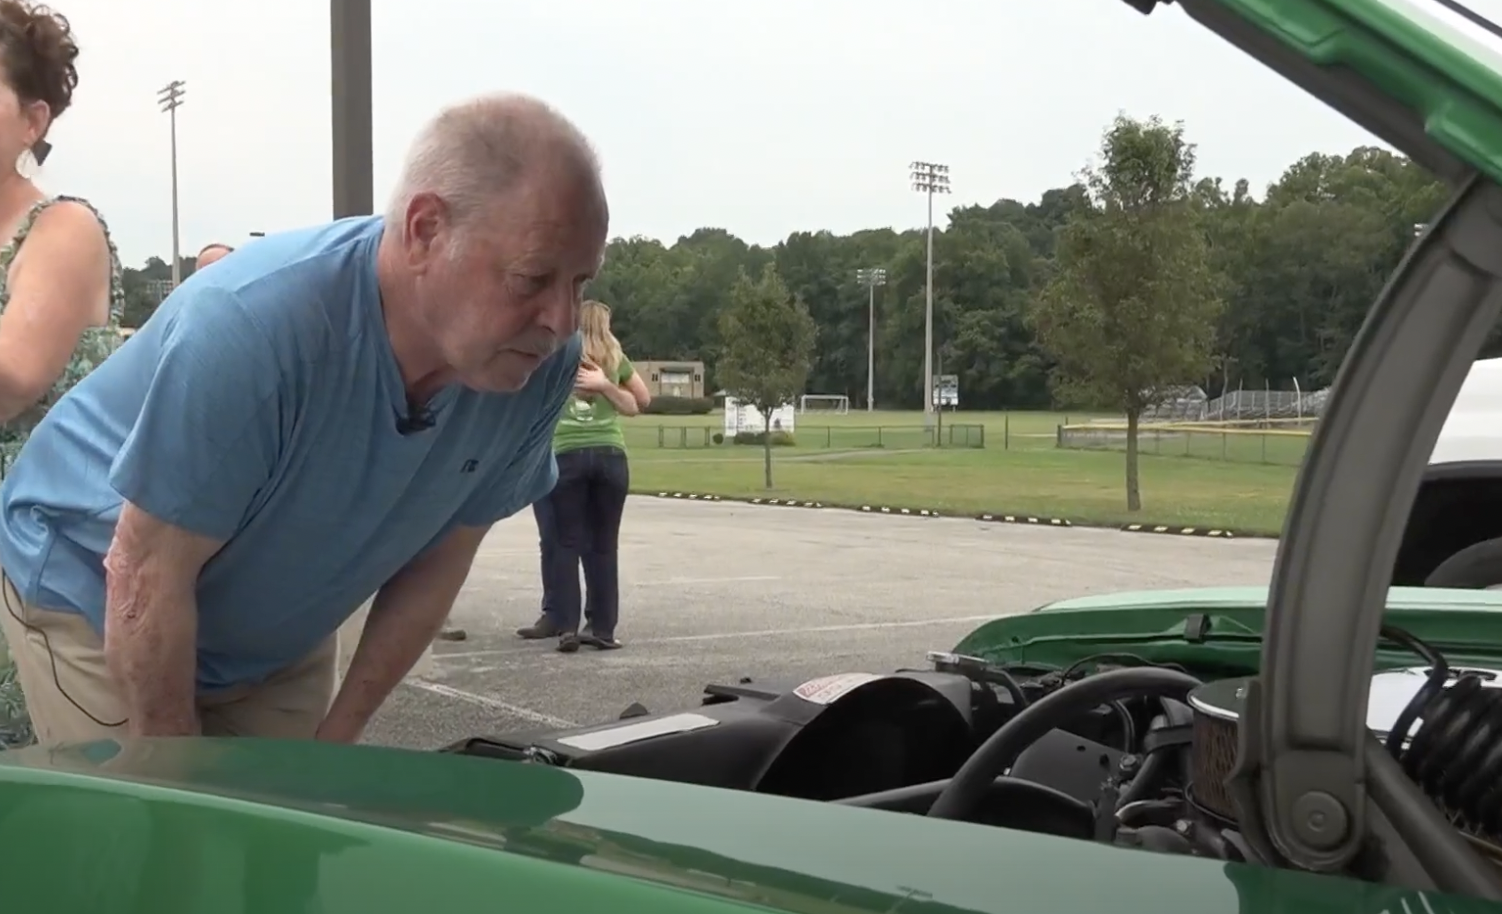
(767, 341)
(1301, 261)
(1132, 308)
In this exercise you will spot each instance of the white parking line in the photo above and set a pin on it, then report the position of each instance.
(485, 701)
(672, 581)
(765, 633)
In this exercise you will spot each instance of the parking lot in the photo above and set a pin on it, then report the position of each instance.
(712, 592)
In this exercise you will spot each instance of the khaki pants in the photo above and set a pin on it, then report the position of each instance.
(72, 697)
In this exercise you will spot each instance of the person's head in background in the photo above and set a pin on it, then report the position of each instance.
(210, 254)
(37, 79)
(601, 348)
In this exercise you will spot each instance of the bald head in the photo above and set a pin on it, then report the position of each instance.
(211, 253)
(475, 154)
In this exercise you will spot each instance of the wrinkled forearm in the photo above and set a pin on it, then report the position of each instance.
(404, 618)
(150, 647)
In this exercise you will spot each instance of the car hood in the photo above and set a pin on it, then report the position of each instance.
(1222, 626)
(260, 826)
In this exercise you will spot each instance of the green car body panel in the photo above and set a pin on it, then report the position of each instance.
(268, 827)
(1159, 626)
(265, 827)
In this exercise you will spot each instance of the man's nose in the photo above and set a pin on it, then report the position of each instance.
(560, 314)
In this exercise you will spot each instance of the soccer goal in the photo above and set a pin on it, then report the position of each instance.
(824, 403)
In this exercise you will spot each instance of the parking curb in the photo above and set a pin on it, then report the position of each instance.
(989, 517)
(1175, 530)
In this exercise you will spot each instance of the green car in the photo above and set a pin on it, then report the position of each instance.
(1328, 744)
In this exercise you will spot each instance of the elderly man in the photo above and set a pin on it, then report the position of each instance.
(211, 253)
(331, 414)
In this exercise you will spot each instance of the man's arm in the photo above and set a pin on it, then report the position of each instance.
(406, 615)
(151, 620)
(204, 443)
(411, 607)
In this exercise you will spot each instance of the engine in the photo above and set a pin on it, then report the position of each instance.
(1111, 749)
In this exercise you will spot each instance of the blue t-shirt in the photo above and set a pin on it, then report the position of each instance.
(260, 405)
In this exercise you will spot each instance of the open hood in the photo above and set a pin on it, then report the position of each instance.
(1423, 75)
(1311, 782)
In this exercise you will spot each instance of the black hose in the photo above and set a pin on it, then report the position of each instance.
(1159, 761)
(1455, 755)
(1150, 773)
(1000, 751)
(998, 676)
(1439, 675)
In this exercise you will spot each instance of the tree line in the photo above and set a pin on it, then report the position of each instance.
(1291, 271)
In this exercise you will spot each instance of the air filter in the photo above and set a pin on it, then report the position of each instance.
(1217, 709)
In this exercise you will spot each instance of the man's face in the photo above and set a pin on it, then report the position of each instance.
(501, 295)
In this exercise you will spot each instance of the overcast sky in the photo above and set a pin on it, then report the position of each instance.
(762, 118)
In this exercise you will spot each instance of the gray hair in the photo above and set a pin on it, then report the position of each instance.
(476, 151)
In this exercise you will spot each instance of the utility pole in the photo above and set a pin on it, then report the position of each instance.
(169, 98)
(929, 178)
(871, 277)
(352, 108)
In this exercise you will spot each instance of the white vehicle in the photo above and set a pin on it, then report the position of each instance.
(1454, 533)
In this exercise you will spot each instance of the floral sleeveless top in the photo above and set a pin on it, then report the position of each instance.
(94, 346)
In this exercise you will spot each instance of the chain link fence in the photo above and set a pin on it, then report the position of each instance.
(1277, 442)
(824, 437)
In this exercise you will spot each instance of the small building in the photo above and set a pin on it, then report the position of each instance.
(673, 379)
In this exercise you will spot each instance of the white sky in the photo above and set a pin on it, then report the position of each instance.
(763, 118)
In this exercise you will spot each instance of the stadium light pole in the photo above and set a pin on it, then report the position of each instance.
(929, 178)
(169, 98)
(871, 277)
(351, 108)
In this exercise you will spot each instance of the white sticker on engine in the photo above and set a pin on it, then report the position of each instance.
(609, 738)
(827, 689)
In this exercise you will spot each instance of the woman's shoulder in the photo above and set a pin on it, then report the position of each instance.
(65, 215)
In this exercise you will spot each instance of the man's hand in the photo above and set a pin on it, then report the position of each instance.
(151, 621)
(403, 620)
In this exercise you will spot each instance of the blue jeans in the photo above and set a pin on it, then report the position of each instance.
(586, 508)
(547, 536)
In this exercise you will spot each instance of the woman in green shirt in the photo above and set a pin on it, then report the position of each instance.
(593, 478)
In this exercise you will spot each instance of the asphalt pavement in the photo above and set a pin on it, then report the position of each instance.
(714, 591)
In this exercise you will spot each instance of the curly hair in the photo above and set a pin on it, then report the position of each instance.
(38, 54)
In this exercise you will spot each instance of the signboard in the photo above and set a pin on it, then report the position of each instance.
(743, 417)
(947, 390)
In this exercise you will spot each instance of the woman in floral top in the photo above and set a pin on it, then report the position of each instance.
(60, 288)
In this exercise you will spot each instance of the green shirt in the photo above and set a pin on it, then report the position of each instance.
(592, 421)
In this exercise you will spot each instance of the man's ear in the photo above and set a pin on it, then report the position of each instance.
(425, 226)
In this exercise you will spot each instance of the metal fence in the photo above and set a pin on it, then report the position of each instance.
(1281, 445)
(824, 437)
(1192, 404)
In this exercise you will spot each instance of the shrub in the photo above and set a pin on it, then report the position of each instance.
(718, 437)
(779, 439)
(679, 406)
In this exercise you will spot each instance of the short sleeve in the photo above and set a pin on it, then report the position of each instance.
(207, 437)
(625, 372)
(531, 475)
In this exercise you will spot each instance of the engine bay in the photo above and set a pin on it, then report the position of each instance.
(1111, 749)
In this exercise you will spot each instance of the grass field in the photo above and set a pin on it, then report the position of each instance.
(838, 460)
